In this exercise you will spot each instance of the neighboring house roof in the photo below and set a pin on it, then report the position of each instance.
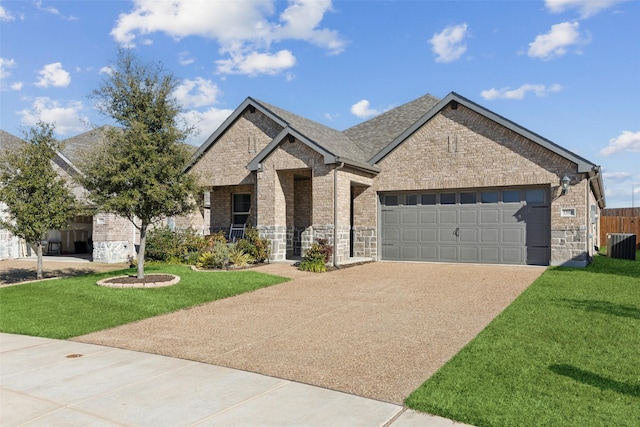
(9, 142)
(76, 148)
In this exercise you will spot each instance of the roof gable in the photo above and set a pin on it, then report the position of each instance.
(583, 164)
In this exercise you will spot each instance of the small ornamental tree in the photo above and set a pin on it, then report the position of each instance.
(37, 199)
(139, 172)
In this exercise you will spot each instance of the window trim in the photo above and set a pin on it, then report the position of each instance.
(233, 208)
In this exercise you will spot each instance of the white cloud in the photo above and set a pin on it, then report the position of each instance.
(586, 8)
(244, 29)
(362, 110)
(197, 93)
(53, 75)
(5, 15)
(448, 45)
(255, 63)
(627, 141)
(205, 123)
(67, 118)
(106, 70)
(50, 9)
(617, 176)
(557, 41)
(519, 93)
(185, 58)
(5, 65)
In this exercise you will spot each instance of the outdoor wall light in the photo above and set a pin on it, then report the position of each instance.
(564, 183)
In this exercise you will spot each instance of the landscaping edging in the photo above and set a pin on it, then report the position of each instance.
(112, 282)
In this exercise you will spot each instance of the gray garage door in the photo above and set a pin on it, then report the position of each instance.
(500, 226)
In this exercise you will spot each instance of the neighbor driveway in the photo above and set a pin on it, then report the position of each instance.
(376, 330)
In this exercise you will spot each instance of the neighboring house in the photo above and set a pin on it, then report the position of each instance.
(432, 180)
(107, 237)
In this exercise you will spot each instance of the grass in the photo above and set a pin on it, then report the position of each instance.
(565, 353)
(76, 306)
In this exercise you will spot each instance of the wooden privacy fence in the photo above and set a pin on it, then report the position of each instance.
(620, 220)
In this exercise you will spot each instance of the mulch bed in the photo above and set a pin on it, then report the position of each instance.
(148, 278)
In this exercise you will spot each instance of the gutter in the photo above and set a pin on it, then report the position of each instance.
(335, 212)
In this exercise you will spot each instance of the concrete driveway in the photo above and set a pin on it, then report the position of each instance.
(377, 330)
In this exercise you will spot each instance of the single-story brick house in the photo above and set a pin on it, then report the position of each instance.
(431, 180)
(105, 237)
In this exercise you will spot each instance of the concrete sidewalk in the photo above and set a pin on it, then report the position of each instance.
(53, 382)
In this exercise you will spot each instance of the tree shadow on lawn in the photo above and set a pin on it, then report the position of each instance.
(604, 307)
(595, 380)
(18, 275)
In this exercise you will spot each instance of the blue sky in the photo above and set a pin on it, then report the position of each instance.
(568, 70)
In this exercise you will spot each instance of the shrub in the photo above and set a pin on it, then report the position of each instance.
(239, 258)
(166, 245)
(217, 257)
(314, 266)
(317, 257)
(259, 249)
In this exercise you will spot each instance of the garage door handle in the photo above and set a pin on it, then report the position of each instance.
(456, 232)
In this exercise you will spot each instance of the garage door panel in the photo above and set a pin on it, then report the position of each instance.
(409, 253)
(448, 253)
(409, 217)
(429, 217)
(513, 235)
(490, 235)
(390, 217)
(391, 252)
(468, 235)
(513, 255)
(493, 230)
(490, 255)
(447, 235)
(429, 253)
(410, 235)
(490, 216)
(447, 217)
(469, 216)
(391, 235)
(469, 254)
(429, 235)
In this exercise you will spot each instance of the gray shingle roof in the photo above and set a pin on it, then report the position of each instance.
(375, 134)
(9, 142)
(331, 140)
(75, 148)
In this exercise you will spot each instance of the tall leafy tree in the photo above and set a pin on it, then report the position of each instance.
(36, 197)
(139, 172)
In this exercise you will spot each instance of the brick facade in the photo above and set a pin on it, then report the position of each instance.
(298, 196)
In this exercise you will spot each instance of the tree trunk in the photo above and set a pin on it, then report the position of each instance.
(39, 274)
(143, 239)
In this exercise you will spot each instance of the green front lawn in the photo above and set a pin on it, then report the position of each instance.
(565, 353)
(76, 306)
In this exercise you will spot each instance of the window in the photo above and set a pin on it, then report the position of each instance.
(489, 197)
(412, 199)
(241, 208)
(570, 212)
(511, 196)
(534, 196)
(467, 198)
(391, 200)
(448, 199)
(428, 199)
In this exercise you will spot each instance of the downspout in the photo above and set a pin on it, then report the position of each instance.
(335, 212)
